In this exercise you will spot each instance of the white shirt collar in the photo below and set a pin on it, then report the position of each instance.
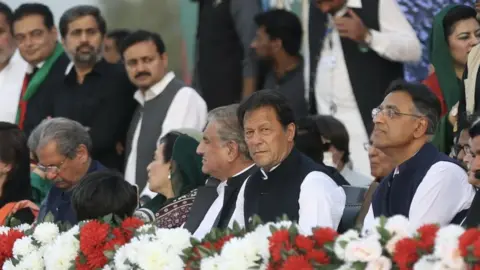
(265, 176)
(155, 90)
(38, 66)
(244, 170)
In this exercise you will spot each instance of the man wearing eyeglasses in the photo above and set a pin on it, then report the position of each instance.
(63, 149)
(426, 186)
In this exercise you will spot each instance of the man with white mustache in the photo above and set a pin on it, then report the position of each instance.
(95, 93)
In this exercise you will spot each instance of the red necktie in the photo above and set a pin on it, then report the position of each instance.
(22, 105)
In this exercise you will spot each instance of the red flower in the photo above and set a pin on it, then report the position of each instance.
(132, 223)
(323, 236)
(296, 263)
(319, 256)
(476, 249)
(219, 244)
(427, 235)
(280, 237)
(467, 239)
(92, 235)
(405, 254)
(6, 244)
(304, 243)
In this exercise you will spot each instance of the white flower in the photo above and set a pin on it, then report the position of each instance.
(211, 263)
(145, 228)
(446, 246)
(342, 241)
(382, 263)
(23, 227)
(33, 261)
(174, 240)
(63, 251)
(46, 233)
(425, 262)
(363, 250)
(23, 247)
(243, 253)
(391, 244)
(8, 265)
(153, 257)
(4, 229)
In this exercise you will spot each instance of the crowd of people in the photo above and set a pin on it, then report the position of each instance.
(93, 122)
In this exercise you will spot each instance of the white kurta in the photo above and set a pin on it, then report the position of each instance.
(11, 82)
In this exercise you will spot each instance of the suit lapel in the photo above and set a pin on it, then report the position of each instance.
(205, 197)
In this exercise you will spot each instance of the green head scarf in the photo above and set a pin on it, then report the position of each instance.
(442, 61)
(186, 166)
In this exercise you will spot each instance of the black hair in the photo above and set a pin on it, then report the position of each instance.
(334, 131)
(7, 12)
(267, 98)
(80, 11)
(142, 36)
(309, 139)
(118, 35)
(424, 100)
(168, 140)
(29, 9)
(454, 15)
(102, 193)
(14, 151)
(283, 25)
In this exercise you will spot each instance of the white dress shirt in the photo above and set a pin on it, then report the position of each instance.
(11, 83)
(395, 41)
(215, 209)
(187, 110)
(321, 202)
(443, 192)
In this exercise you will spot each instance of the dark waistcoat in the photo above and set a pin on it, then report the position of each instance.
(395, 193)
(220, 54)
(153, 114)
(278, 195)
(369, 73)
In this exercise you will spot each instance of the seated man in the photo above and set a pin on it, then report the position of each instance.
(63, 153)
(288, 182)
(103, 193)
(426, 186)
(225, 157)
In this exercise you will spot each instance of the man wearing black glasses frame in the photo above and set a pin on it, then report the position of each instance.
(424, 180)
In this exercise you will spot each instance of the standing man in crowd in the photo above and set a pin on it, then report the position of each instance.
(63, 149)
(225, 66)
(278, 42)
(345, 37)
(165, 103)
(288, 182)
(95, 93)
(225, 157)
(111, 45)
(426, 186)
(12, 68)
(36, 37)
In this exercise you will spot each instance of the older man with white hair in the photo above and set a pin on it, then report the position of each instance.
(63, 149)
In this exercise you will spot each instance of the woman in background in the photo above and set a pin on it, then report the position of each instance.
(14, 176)
(174, 174)
(455, 31)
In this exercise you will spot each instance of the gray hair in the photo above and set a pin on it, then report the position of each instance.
(76, 12)
(68, 135)
(229, 128)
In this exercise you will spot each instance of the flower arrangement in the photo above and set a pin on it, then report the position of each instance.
(111, 243)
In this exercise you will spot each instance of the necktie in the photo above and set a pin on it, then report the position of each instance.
(22, 105)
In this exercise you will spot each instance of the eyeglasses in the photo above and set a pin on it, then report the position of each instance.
(457, 148)
(468, 151)
(391, 113)
(54, 169)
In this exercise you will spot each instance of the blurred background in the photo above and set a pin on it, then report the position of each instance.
(176, 21)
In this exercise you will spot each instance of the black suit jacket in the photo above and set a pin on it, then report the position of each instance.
(40, 105)
(207, 194)
(473, 216)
